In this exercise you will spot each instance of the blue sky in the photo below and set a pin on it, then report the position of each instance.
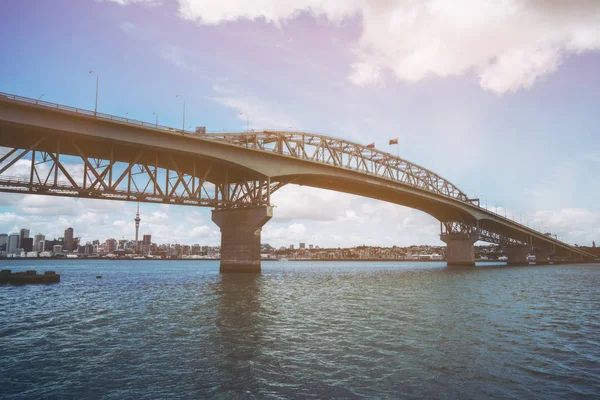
(500, 98)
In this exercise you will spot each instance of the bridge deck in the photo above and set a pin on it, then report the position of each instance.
(183, 167)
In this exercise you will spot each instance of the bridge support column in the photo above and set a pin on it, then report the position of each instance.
(542, 257)
(517, 255)
(240, 237)
(459, 249)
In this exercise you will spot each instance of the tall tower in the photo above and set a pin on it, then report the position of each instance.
(137, 228)
(68, 240)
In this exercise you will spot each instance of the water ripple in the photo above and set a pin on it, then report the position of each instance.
(310, 330)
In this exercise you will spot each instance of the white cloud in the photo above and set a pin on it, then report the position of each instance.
(9, 218)
(332, 219)
(293, 233)
(508, 45)
(259, 114)
(573, 225)
(307, 203)
(127, 27)
(151, 3)
(179, 56)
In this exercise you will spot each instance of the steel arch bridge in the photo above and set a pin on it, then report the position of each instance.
(59, 150)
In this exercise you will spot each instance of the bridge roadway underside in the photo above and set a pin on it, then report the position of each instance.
(225, 166)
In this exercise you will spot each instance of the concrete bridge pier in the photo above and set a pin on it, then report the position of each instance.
(459, 249)
(517, 255)
(240, 237)
(542, 257)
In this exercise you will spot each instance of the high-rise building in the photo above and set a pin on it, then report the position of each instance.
(137, 228)
(68, 239)
(310, 246)
(111, 245)
(3, 241)
(23, 234)
(14, 241)
(302, 245)
(36, 241)
(41, 246)
(146, 244)
(27, 244)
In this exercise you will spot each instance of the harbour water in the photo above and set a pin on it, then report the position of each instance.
(161, 329)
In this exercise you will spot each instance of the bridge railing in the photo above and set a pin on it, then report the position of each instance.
(82, 111)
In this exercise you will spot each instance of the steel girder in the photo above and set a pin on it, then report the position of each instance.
(35, 171)
(343, 154)
(485, 234)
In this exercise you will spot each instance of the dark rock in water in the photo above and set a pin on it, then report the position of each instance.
(31, 276)
(98, 276)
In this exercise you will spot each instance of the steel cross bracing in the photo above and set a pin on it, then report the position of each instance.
(484, 233)
(31, 170)
(344, 154)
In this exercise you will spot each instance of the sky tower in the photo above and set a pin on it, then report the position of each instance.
(137, 228)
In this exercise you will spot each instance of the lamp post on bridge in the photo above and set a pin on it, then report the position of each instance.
(96, 106)
(155, 113)
(183, 123)
(247, 121)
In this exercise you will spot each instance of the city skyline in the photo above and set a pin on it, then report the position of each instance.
(536, 126)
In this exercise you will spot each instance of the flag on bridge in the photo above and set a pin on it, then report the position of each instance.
(394, 141)
(371, 146)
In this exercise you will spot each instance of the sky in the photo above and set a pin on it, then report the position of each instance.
(501, 98)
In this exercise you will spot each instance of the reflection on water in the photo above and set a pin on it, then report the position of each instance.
(240, 325)
(178, 329)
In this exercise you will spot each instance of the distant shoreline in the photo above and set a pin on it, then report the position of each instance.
(378, 260)
(105, 259)
(217, 259)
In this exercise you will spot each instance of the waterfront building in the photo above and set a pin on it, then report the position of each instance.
(68, 240)
(24, 233)
(110, 245)
(36, 242)
(49, 244)
(302, 245)
(57, 249)
(27, 244)
(14, 241)
(3, 241)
